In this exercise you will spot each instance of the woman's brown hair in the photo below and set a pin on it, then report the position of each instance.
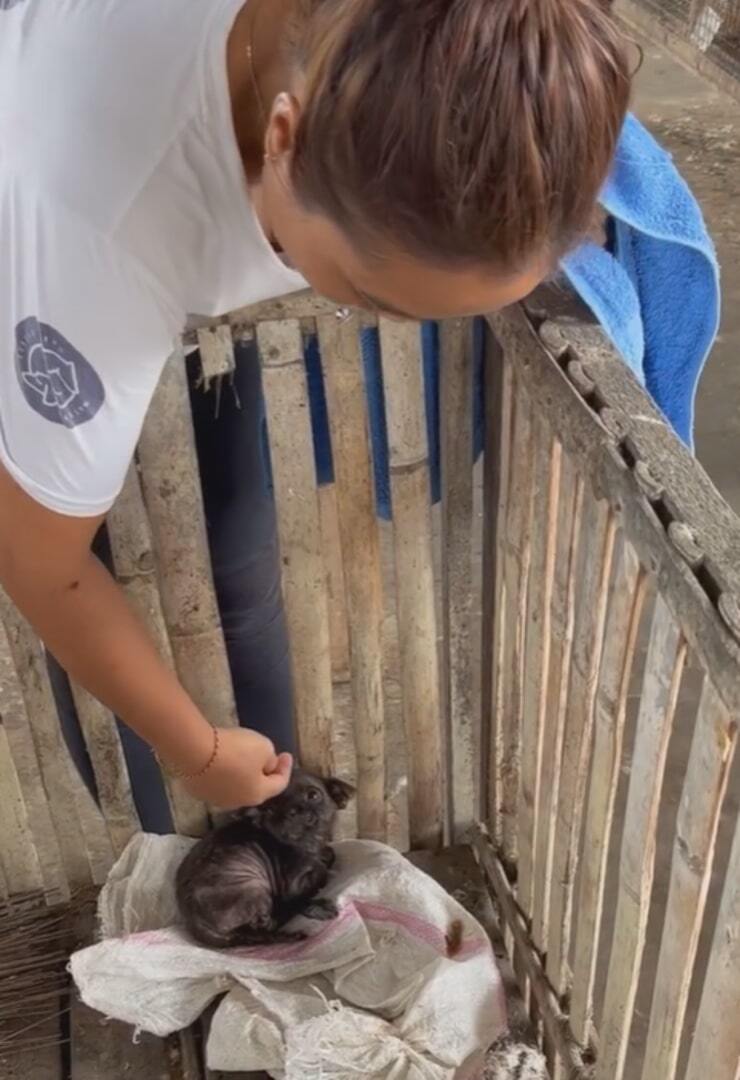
(463, 131)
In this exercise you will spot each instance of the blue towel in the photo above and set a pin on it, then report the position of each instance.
(655, 292)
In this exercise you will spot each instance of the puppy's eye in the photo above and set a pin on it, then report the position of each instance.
(313, 794)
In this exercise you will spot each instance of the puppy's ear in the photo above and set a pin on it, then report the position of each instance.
(339, 791)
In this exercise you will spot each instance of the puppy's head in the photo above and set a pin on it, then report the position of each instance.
(304, 815)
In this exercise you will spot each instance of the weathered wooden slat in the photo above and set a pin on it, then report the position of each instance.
(217, 1074)
(626, 598)
(412, 532)
(41, 1062)
(300, 305)
(565, 1050)
(712, 750)
(496, 468)
(545, 465)
(18, 859)
(593, 569)
(216, 347)
(106, 1048)
(517, 554)
(304, 306)
(23, 780)
(456, 436)
(664, 666)
(184, 1054)
(585, 435)
(342, 363)
(100, 1047)
(715, 1046)
(80, 829)
(331, 544)
(111, 775)
(210, 1075)
(570, 499)
(691, 497)
(397, 804)
(132, 548)
(299, 526)
(174, 503)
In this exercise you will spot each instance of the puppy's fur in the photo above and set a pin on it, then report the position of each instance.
(243, 882)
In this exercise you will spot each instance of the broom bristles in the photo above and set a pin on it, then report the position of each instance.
(35, 945)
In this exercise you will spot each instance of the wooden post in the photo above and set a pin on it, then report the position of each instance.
(81, 831)
(342, 364)
(412, 532)
(495, 503)
(715, 1047)
(132, 547)
(299, 526)
(42, 1061)
(456, 420)
(516, 577)
(101, 1047)
(557, 1036)
(109, 765)
(593, 570)
(664, 668)
(30, 819)
(216, 348)
(331, 544)
(626, 598)
(174, 503)
(712, 751)
(570, 499)
(20, 871)
(546, 461)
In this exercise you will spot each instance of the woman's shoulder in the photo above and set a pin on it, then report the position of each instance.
(95, 94)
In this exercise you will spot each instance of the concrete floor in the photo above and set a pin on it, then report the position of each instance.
(701, 127)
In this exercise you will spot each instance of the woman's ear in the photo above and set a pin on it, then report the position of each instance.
(339, 791)
(282, 126)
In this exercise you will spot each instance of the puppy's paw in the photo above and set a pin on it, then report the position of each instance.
(328, 857)
(289, 937)
(322, 910)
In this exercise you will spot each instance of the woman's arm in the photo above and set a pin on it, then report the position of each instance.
(75, 606)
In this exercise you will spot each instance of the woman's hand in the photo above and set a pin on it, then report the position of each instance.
(245, 772)
(82, 616)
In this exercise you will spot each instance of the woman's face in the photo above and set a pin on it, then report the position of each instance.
(388, 280)
(391, 282)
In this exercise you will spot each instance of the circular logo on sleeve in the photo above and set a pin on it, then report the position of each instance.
(57, 381)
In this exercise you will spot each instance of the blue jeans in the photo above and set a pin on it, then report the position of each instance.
(242, 535)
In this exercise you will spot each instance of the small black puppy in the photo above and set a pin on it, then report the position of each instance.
(243, 882)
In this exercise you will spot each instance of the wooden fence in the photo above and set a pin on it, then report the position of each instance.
(612, 679)
(546, 665)
(705, 35)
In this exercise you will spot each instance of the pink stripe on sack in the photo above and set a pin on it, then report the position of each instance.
(298, 949)
(421, 929)
(369, 911)
(150, 937)
(286, 951)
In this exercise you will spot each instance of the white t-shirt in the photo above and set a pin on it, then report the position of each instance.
(123, 209)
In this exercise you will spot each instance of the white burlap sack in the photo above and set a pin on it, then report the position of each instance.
(371, 994)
